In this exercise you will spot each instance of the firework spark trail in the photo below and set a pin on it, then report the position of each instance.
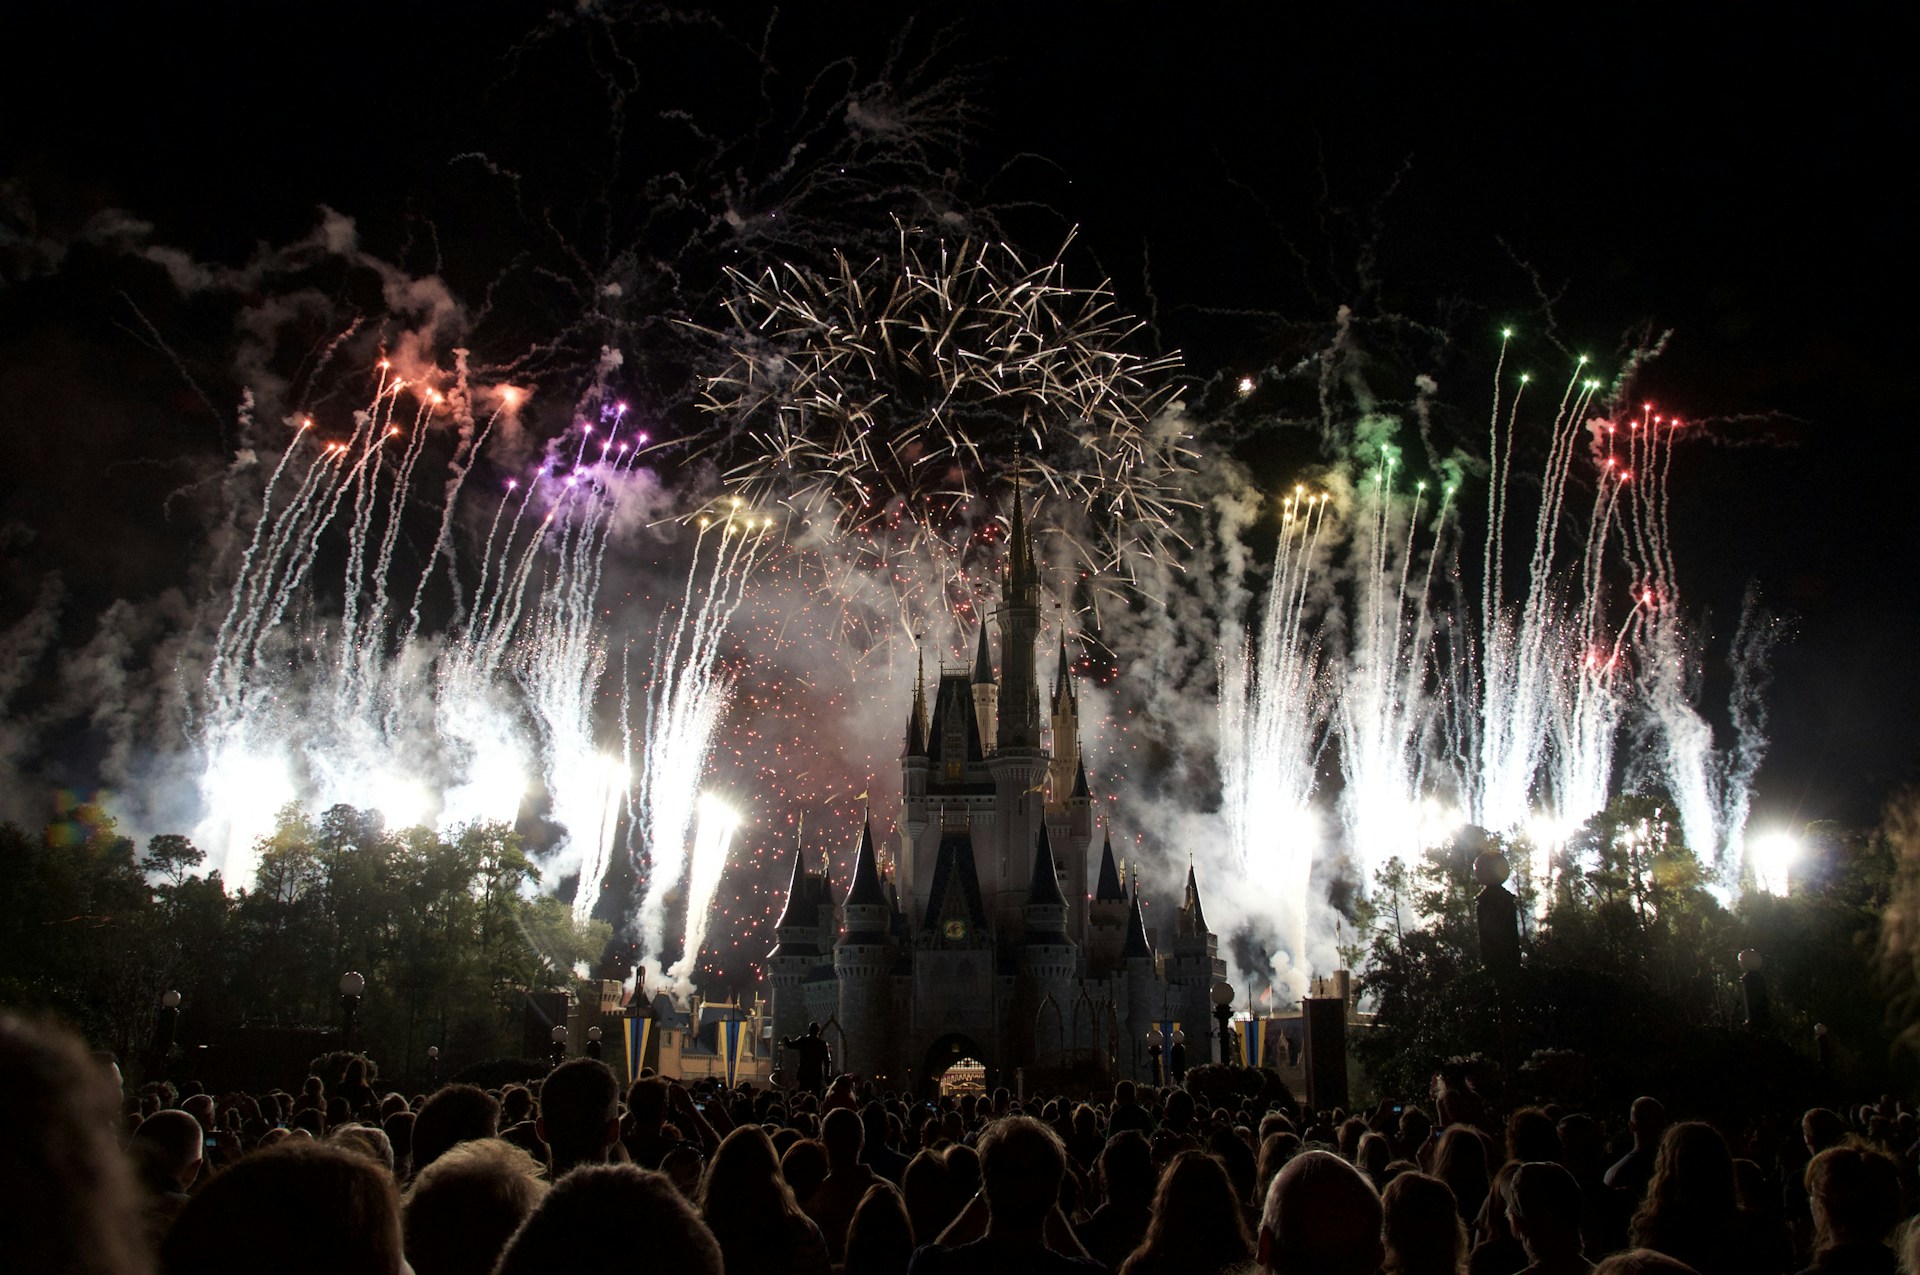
(1273, 726)
(687, 697)
(713, 838)
(1382, 708)
(893, 400)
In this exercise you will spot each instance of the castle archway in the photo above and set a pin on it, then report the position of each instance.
(948, 1053)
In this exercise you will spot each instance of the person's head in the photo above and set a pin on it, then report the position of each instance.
(880, 1238)
(301, 1207)
(1642, 1261)
(579, 1113)
(1123, 1094)
(588, 1222)
(963, 1171)
(200, 1106)
(843, 1135)
(1583, 1145)
(1647, 1118)
(516, 1104)
(1373, 1155)
(804, 1165)
(1275, 1150)
(1021, 1164)
(1855, 1194)
(1126, 1169)
(1461, 1162)
(1197, 1217)
(1531, 1136)
(167, 1148)
(684, 1168)
(368, 1141)
(1422, 1227)
(1821, 1128)
(1179, 1111)
(1543, 1204)
(399, 1130)
(647, 1103)
(924, 1185)
(1322, 1217)
(744, 1187)
(454, 1114)
(466, 1205)
(873, 1126)
(70, 1203)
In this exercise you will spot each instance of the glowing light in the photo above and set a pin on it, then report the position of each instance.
(1245, 386)
(1771, 858)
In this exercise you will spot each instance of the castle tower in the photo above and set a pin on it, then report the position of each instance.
(1049, 959)
(1146, 995)
(1018, 764)
(1106, 915)
(986, 693)
(1066, 733)
(863, 962)
(914, 765)
(1192, 969)
(796, 950)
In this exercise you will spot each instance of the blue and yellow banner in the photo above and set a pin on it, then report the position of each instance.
(639, 1033)
(729, 1040)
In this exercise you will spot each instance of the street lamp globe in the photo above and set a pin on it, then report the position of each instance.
(558, 1035)
(593, 1034)
(170, 1000)
(352, 984)
(433, 1053)
(1222, 993)
(1154, 1038)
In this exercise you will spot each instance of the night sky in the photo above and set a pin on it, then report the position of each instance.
(1590, 174)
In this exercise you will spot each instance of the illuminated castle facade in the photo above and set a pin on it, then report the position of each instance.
(988, 936)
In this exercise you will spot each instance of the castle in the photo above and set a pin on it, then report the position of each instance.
(983, 940)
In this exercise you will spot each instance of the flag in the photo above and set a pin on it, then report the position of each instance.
(729, 1042)
(639, 1033)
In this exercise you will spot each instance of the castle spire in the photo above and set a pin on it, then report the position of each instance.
(982, 660)
(1044, 889)
(1109, 889)
(790, 914)
(1063, 679)
(917, 720)
(866, 891)
(1136, 945)
(1192, 920)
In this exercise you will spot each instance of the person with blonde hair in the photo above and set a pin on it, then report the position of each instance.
(466, 1205)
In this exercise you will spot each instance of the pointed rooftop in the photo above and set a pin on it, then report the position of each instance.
(1044, 889)
(1020, 569)
(917, 719)
(1136, 944)
(796, 893)
(982, 661)
(1109, 889)
(866, 890)
(1192, 919)
(1063, 679)
(1080, 779)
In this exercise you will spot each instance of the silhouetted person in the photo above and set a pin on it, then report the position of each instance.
(612, 1219)
(1643, 1261)
(877, 1150)
(832, 1205)
(1198, 1226)
(1021, 1164)
(880, 1238)
(1631, 1172)
(466, 1205)
(1115, 1229)
(810, 1067)
(1422, 1229)
(804, 1166)
(1544, 1209)
(1496, 1250)
(1127, 1112)
(1855, 1194)
(298, 1208)
(579, 1114)
(1460, 1161)
(69, 1202)
(751, 1211)
(1691, 1212)
(166, 1151)
(929, 1197)
(454, 1114)
(1322, 1217)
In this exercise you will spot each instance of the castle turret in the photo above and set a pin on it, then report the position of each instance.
(1147, 999)
(1019, 763)
(986, 692)
(1192, 969)
(914, 767)
(797, 949)
(1049, 959)
(863, 963)
(1106, 914)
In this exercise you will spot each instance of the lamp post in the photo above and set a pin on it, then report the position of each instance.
(1154, 1040)
(1177, 1058)
(351, 987)
(1223, 1014)
(593, 1042)
(558, 1036)
(433, 1066)
(164, 1028)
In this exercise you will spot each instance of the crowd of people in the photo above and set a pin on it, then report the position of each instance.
(571, 1174)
